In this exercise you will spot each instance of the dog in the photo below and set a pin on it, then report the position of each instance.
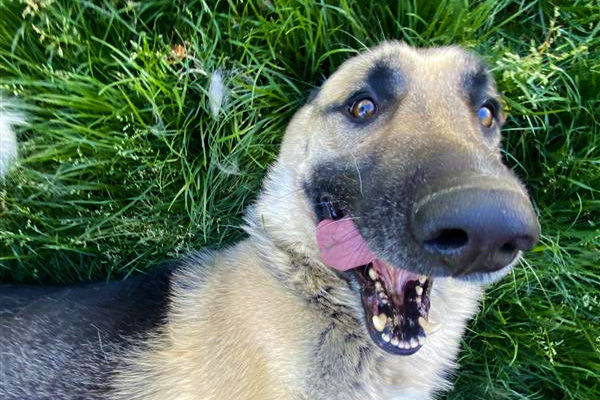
(387, 211)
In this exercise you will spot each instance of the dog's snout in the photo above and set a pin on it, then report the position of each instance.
(474, 229)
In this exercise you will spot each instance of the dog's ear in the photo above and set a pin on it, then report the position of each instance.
(313, 94)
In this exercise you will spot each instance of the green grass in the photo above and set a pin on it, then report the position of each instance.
(123, 166)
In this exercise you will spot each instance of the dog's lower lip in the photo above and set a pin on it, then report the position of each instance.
(395, 300)
(397, 320)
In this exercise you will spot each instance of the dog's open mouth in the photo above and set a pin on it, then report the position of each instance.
(396, 304)
(396, 301)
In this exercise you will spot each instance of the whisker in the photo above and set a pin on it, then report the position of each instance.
(359, 176)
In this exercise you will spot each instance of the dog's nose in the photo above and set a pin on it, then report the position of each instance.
(474, 229)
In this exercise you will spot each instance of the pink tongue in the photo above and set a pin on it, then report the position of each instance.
(342, 246)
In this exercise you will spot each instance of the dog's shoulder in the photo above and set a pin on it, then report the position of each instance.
(68, 339)
(114, 305)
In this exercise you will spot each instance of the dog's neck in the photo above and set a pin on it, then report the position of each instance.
(284, 214)
(282, 224)
(298, 265)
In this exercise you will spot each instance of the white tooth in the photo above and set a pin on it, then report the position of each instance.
(378, 286)
(419, 290)
(404, 345)
(395, 341)
(373, 274)
(428, 326)
(413, 343)
(385, 337)
(421, 340)
(379, 321)
(382, 295)
(422, 279)
(418, 300)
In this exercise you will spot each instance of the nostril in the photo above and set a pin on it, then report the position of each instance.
(508, 248)
(474, 228)
(447, 241)
(503, 256)
(523, 242)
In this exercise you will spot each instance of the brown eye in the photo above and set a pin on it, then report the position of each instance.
(485, 116)
(363, 109)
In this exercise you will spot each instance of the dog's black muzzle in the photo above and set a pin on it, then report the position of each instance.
(442, 212)
(479, 224)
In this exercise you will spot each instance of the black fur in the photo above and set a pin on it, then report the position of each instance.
(335, 185)
(385, 83)
(58, 339)
(477, 86)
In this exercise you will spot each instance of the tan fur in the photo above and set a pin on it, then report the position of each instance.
(242, 324)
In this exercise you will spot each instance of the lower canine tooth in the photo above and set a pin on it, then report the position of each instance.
(379, 321)
(428, 327)
(373, 274)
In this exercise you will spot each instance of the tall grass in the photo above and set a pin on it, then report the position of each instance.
(124, 165)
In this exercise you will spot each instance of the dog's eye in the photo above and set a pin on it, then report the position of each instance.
(362, 108)
(485, 114)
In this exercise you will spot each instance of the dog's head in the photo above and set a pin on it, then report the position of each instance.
(398, 158)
